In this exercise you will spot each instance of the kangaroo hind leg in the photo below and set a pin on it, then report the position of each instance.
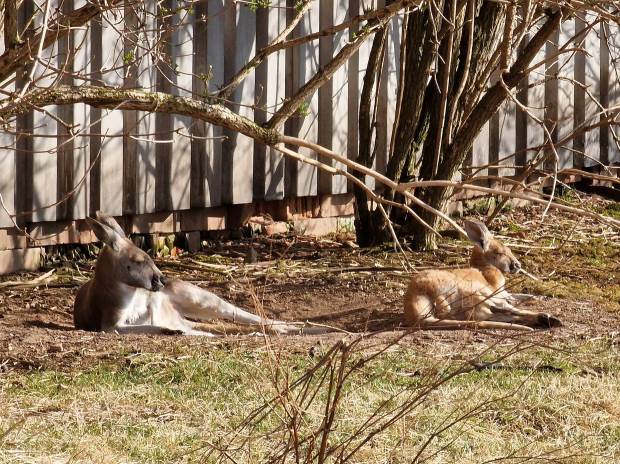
(197, 303)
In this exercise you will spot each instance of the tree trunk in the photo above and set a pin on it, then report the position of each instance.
(420, 54)
(490, 22)
(368, 231)
(442, 164)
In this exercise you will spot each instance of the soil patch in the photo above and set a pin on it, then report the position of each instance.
(330, 282)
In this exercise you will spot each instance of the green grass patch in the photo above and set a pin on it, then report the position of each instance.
(603, 295)
(611, 209)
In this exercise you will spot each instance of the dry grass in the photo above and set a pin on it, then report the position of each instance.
(155, 408)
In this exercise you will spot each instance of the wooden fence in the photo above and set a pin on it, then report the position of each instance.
(123, 163)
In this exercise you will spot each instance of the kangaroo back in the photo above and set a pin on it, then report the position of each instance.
(86, 316)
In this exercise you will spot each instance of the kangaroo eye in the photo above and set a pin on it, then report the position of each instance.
(129, 268)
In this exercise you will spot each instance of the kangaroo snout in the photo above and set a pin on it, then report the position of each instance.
(515, 266)
(157, 283)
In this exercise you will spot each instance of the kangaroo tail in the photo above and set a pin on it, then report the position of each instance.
(431, 323)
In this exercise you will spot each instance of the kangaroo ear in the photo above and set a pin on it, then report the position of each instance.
(478, 233)
(110, 222)
(106, 234)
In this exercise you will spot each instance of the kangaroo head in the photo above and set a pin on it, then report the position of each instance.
(125, 262)
(489, 251)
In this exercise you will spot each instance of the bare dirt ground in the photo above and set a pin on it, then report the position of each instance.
(329, 282)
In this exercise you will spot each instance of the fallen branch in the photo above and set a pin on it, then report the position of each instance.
(36, 282)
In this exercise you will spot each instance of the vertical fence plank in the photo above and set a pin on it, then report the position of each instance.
(7, 167)
(612, 41)
(111, 174)
(163, 122)
(521, 127)
(270, 91)
(333, 96)
(480, 151)
(383, 140)
(145, 155)
(132, 54)
(45, 130)
(325, 122)
(494, 141)
(507, 151)
(502, 134)
(208, 68)
(66, 143)
(353, 88)
(291, 125)
(274, 162)
(536, 105)
(81, 118)
(95, 148)
(604, 89)
(215, 60)
(237, 149)
(592, 147)
(340, 96)
(566, 94)
(7, 163)
(182, 49)
(302, 63)
(274, 175)
(263, 87)
(506, 145)
(551, 95)
(579, 93)
(306, 66)
(242, 157)
(199, 89)
(393, 74)
(23, 165)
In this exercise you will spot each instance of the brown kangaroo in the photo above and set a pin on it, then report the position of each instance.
(474, 297)
(129, 294)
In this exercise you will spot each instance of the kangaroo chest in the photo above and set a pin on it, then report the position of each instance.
(142, 307)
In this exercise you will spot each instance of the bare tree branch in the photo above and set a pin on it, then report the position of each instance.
(17, 57)
(226, 91)
(510, 194)
(323, 75)
(493, 98)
